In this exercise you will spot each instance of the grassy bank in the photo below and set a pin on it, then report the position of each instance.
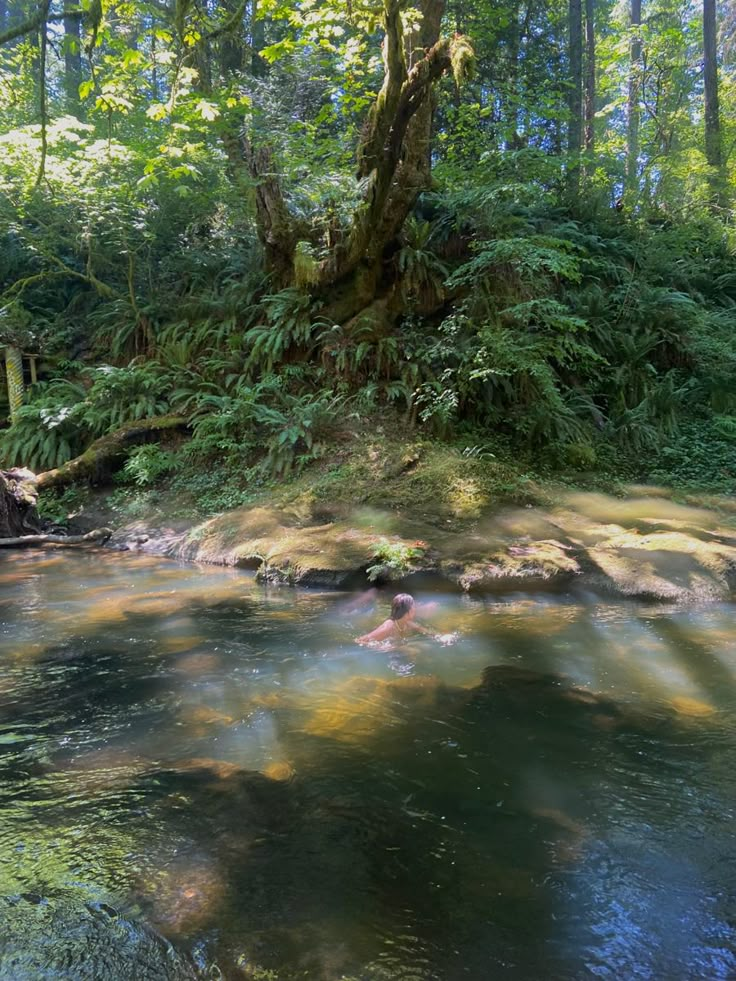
(382, 465)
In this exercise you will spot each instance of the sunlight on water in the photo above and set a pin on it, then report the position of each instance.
(551, 795)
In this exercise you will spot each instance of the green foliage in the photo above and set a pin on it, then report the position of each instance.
(520, 262)
(287, 326)
(121, 395)
(16, 325)
(421, 273)
(581, 456)
(437, 403)
(701, 455)
(48, 431)
(213, 491)
(57, 506)
(295, 428)
(63, 415)
(133, 236)
(462, 58)
(267, 421)
(147, 464)
(306, 266)
(394, 560)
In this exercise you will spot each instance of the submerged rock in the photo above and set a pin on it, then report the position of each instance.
(284, 549)
(665, 565)
(61, 938)
(530, 564)
(693, 707)
(640, 547)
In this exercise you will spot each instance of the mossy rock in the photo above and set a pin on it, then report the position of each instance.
(665, 566)
(536, 564)
(53, 938)
(285, 550)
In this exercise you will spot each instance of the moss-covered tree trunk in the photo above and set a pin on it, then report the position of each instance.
(393, 166)
(14, 374)
(103, 457)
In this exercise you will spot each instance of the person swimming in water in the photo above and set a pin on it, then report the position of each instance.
(400, 623)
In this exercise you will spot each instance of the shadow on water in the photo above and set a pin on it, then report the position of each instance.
(550, 798)
(429, 836)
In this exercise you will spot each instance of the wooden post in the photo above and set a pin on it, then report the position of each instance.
(14, 371)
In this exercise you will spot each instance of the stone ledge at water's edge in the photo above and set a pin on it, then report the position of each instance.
(644, 547)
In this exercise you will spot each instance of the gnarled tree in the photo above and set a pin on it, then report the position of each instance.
(393, 168)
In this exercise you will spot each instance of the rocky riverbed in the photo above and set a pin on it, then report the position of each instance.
(644, 545)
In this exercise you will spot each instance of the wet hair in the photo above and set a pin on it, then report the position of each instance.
(401, 604)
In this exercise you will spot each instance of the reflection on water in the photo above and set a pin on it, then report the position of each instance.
(550, 797)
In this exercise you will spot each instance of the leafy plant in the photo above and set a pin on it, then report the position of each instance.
(421, 272)
(294, 428)
(49, 430)
(395, 560)
(120, 395)
(147, 464)
(56, 506)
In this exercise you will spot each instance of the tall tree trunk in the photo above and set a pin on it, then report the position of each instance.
(258, 66)
(14, 374)
(634, 110)
(393, 167)
(155, 88)
(72, 61)
(514, 45)
(589, 135)
(712, 118)
(232, 44)
(575, 95)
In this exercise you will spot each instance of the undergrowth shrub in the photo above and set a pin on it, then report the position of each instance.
(49, 430)
(394, 560)
(575, 336)
(702, 454)
(147, 464)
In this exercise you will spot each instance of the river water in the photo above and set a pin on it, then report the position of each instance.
(552, 796)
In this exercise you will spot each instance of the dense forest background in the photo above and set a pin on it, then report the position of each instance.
(508, 225)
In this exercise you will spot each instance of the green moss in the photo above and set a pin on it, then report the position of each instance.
(433, 482)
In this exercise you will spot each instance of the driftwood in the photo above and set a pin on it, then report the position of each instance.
(34, 541)
(100, 459)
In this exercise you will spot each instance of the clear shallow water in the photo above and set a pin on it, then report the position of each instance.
(551, 797)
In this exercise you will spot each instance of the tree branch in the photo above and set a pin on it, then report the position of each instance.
(378, 124)
(43, 104)
(33, 23)
(385, 147)
(229, 23)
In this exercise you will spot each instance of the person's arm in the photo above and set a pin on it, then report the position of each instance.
(422, 630)
(380, 633)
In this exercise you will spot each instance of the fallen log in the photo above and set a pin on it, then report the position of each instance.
(99, 459)
(33, 541)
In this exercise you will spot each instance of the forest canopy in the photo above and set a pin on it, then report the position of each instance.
(508, 223)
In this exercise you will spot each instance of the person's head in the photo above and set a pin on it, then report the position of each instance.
(402, 605)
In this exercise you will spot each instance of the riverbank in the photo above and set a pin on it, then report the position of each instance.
(385, 510)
